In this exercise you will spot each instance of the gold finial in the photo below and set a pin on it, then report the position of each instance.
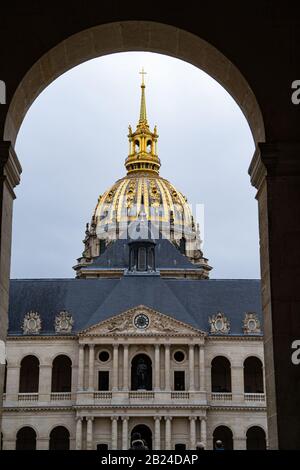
(142, 143)
(143, 113)
(143, 73)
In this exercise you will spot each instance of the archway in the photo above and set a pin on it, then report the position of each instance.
(26, 439)
(132, 36)
(224, 434)
(29, 375)
(61, 374)
(141, 372)
(256, 438)
(220, 375)
(59, 439)
(145, 433)
(253, 375)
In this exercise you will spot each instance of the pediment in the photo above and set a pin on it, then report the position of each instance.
(141, 321)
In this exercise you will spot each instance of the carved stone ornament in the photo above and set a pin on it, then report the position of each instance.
(251, 324)
(63, 322)
(32, 323)
(141, 320)
(219, 324)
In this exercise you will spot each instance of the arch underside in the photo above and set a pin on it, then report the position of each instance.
(132, 36)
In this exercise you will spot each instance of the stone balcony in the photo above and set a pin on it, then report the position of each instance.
(246, 399)
(136, 397)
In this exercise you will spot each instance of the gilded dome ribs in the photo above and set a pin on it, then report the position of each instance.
(143, 192)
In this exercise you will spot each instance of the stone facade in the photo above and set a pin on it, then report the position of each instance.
(108, 417)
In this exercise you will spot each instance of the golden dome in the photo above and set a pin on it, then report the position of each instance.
(147, 193)
(143, 192)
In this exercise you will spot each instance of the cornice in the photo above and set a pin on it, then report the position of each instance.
(10, 168)
(159, 406)
(134, 335)
(235, 337)
(37, 409)
(40, 337)
(237, 408)
(274, 159)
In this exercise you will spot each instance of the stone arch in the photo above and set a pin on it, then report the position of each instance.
(145, 434)
(128, 36)
(256, 438)
(29, 374)
(141, 372)
(26, 438)
(224, 434)
(59, 438)
(220, 375)
(253, 375)
(61, 374)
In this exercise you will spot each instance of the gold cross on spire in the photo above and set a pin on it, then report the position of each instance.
(143, 73)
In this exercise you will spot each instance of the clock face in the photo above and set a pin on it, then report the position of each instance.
(141, 321)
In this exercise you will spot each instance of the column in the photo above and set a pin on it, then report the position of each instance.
(203, 431)
(45, 382)
(80, 366)
(114, 433)
(201, 368)
(157, 432)
(157, 367)
(115, 367)
(275, 172)
(91, 366)
(89, 433)
(125, 368)
(125, 420)
(167, 367)
(12, 381)
(192, 367)
(168, 442)
(78, 444)
(10, 170)
(192, 432)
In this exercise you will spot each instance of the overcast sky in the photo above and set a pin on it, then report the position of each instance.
(73, 143)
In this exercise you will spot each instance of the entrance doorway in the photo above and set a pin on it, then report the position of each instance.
(145, 433)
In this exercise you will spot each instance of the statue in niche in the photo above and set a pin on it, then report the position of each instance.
(141, 372)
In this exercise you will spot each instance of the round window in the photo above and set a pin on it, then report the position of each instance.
(179, 356)
(104, 356)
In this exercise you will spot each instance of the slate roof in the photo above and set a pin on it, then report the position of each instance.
(93, 300)
(117, 254)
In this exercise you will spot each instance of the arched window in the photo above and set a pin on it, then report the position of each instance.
(142, 259)
(59, 439)
(26, 439)
(256, 438)
(253, 375)
(61, 374)
(220, 375)
(141, 373)
(29, 375)
(223, 434)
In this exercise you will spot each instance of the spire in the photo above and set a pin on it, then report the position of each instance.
(143, 114)
(142, 142)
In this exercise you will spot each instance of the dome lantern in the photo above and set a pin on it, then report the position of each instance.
(142, 143)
